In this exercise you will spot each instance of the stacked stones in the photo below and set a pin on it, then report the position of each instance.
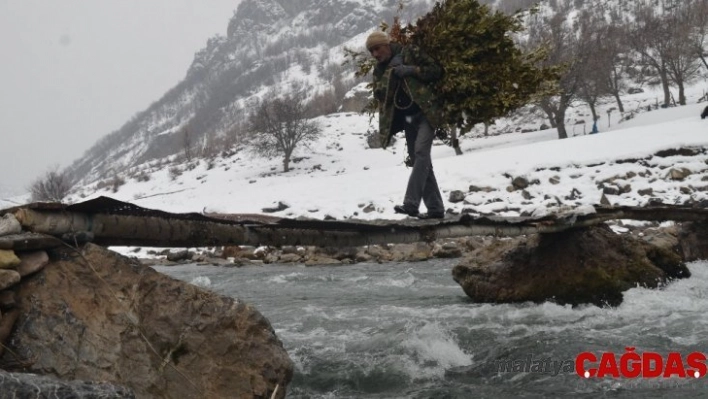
(14, 266)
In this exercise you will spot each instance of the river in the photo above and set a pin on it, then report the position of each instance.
(407, 330)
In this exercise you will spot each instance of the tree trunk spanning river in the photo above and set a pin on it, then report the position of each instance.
(407, 330)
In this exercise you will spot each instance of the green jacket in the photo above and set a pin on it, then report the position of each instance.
(418, 87)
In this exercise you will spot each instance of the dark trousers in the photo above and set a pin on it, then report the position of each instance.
(421, 183)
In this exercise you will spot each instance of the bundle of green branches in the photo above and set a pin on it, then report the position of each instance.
(486, 74)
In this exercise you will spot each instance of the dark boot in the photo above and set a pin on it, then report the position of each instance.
(432, 215)
(406, 211)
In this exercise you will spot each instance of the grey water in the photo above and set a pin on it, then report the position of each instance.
(407, 330)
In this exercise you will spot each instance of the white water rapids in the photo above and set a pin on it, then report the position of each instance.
(407, 330)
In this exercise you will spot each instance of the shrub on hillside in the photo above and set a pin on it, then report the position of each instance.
(117, 182)
(175, 172)
(53, 186)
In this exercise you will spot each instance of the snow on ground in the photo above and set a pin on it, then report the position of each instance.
(339, 176)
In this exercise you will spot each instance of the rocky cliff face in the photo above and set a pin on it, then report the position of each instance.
(95, 315)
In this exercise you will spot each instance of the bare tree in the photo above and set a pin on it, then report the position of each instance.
(616, 50)
(279, 125)
(565, 47)
(681, 61)
(596, 70)
(699, 34)
(53, 186)
(670, 39)
(650, 38)
(187, 144)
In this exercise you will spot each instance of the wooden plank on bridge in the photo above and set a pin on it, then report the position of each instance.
(111, 222)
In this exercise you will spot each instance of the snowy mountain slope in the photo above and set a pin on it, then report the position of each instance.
(283, 46)
(340, 177)
(271, 46)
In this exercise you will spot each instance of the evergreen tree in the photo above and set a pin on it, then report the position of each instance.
(486, 74)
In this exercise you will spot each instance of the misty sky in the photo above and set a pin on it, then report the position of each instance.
(73, 71)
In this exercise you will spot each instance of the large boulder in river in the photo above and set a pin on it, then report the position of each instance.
(588, 265)
(692, 241)
(98, 316)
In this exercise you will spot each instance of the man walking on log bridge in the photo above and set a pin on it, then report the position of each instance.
(401, 86)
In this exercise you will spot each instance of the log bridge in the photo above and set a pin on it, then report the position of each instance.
(109, 222)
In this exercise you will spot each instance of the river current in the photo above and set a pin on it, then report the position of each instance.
(407, 330)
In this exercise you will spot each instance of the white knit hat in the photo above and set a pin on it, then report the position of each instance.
(377, 38)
